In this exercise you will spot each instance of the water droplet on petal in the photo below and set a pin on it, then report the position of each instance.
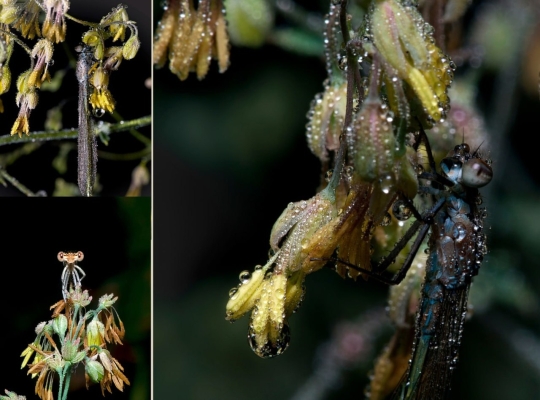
(98, 112)
(244, 276)
(271, 349)
(401, 210)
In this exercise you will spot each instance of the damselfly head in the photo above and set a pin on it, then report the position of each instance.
(470, 170)
(70, 258)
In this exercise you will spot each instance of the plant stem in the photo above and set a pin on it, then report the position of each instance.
(136, 134)
(68, 378)
(80, 21)
(72, 133)
(17, 184)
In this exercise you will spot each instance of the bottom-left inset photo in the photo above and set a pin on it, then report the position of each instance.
(76, 289)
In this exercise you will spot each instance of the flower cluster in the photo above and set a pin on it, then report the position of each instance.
(192, 37)
(359, 130)
(81, 338)
(26, 18)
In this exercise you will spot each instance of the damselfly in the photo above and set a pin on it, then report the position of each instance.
(86, 144)
(456, 249)
(71, 271)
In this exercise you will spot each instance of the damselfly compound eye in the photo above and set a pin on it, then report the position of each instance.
(476, 173)
(80, 255)
(61, 256)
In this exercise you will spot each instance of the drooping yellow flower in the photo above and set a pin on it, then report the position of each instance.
(54, 26)
(403, 40)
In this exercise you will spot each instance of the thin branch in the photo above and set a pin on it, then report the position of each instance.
(17, 184)
(105, 127)
(80, 21)
(136, 134)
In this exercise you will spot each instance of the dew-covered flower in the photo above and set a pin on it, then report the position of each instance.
(409, 53)
(191, 38)
(42, 52)
(26, 102)
(101, 98)
(115, 22)
(273, 295)
(27, 21)
(326, 116)
(54, 26)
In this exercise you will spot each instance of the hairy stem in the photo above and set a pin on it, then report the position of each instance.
(72, 133)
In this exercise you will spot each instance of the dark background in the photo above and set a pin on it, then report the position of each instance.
(232, 154)
(127, 85)
(114, 235)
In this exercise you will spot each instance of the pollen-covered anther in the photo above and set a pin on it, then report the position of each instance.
(243, 297)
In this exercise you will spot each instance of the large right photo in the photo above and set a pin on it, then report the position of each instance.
(345, 204)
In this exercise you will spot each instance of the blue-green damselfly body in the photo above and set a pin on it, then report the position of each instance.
(456, 250)
(86, 143)
(457, 246)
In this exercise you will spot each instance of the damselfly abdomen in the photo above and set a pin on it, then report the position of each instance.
(86, 143)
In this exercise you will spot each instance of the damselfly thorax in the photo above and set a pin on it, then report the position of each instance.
(72, 275)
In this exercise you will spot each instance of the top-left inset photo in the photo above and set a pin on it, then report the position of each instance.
(75, 98)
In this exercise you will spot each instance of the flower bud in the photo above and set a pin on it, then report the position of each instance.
(298, 227)
(94, 333)
(326, 116)
(131, 47)
(5, 79)
(95, 370)
(60, 325)
(94, 39)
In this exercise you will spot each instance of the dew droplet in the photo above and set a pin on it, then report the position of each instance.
(459, 232)
(233, 291)
(244, 276)
(270, 349)
(343, 63)
(386, 184)
(401, 210)
(98, 112)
